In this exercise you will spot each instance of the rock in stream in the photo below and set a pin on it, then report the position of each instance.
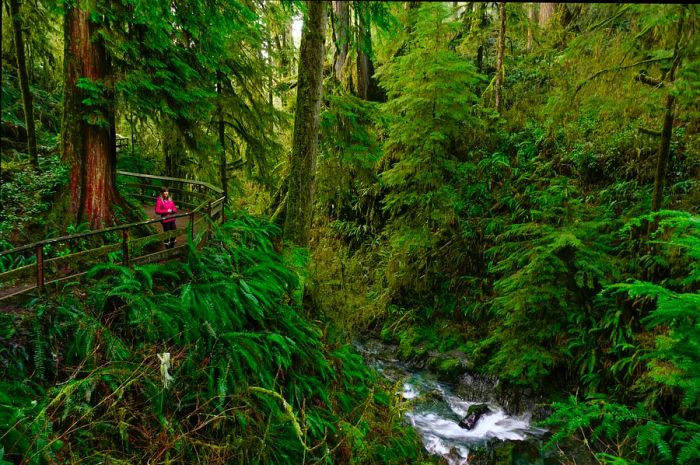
(437, 409)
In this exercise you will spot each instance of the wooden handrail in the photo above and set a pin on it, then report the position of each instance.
(89, 233)
(165, 178)
(106, 230)
(207, 208)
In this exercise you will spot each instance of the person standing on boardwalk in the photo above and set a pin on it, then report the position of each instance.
(165, 207)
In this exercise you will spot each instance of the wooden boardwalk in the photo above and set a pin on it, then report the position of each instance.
(56, 261)
(182, 225)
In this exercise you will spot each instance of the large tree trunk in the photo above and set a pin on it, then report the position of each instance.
(24, 82)
(341, 36)
(499, 58)
(173, 149)
(532, 20)
(222, 138)
(306, 124)
(364, 63)
(88, 139)
(367, 87)
(546, 13)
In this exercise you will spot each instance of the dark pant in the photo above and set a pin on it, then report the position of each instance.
(169, 241)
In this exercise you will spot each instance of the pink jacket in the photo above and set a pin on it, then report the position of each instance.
(162, 207)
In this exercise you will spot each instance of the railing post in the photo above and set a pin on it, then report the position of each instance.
(40, 267)
(223, 215)
(192, 226)
(210, 219)
(125, 247)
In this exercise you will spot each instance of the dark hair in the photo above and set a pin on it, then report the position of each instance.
(164, 189)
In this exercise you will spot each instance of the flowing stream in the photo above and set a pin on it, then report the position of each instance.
(436, 409)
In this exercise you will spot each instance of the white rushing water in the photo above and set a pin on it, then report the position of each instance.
(436, 411)
(437, 422)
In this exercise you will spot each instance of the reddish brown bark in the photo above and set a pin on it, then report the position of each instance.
(88, 143)
(367, 86)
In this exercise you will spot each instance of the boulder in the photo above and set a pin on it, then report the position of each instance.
(474, 413)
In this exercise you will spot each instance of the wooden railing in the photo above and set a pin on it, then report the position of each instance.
(61, 259)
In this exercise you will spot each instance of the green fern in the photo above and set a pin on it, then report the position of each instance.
(229, 320)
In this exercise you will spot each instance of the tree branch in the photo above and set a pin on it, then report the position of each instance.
(620, 68)
(619, 13)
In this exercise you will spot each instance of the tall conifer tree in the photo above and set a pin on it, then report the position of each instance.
(17, 25)
(87, 135)
(431, 101)
(500, 71)
(306, 125)
(341, 37)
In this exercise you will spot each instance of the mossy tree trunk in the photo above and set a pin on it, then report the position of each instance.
(531, 21)
(174, 155)
(24, 81)
(367, 87)
(88, 136)
(222, 136)
(341, 36)
(663, 154)
(284, 63)
(306, 125)
(667, 131)
(500, 56)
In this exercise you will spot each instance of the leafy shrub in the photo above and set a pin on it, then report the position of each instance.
(26, 196)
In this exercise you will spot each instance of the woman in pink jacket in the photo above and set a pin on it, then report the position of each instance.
(165, 207)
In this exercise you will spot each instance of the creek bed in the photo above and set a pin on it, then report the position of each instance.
(436, 409)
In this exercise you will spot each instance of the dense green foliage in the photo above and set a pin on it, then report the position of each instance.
(168, 61)
(524, 240)
(249, 380)
(25, 195)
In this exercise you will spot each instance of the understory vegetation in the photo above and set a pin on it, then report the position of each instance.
(522, 205)
(528, 241)
(209, 361)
